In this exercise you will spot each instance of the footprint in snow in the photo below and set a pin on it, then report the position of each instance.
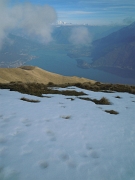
(71, 164)
(2, 139)
(1, 116)
(83, 154)
(64, 156)
(51, 135)
(26, 150)
(43, 164)
(26, 122)
(3, 151)
(17, 132)
(89, 146)
(8, 173)
(94, 154)
(6, 119)
(47, 120)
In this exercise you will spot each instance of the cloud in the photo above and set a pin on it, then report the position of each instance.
(33, 19)
(80, 36)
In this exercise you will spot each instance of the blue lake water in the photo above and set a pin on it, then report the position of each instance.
(58, 62)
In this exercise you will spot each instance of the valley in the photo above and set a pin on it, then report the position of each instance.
(106, 59)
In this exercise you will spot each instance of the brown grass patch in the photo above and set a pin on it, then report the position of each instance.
(29, 100)
(85, 98)
(107, 88)
(66, 117)
(27, 67)
(112, 112)
(102, 101)
(72, 99)
(37, 89)
(118, 97)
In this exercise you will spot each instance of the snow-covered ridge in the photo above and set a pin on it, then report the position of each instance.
(65, 137)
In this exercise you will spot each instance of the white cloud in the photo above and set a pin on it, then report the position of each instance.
(80, 36)
(34, 19)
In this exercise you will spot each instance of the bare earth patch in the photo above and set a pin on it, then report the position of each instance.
(111, 112)
(27, 67)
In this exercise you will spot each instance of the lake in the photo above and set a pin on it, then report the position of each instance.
(57, 61)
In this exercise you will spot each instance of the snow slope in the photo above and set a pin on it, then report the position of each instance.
(66, 139)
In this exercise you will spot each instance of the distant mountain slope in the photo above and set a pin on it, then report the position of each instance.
(18, 48)
(34, 74)
(61, 34)
(16, 51)
(117, 50)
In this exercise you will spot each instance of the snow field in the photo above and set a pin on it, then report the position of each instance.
(64, 139)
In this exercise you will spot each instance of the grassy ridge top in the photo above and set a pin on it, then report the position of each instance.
(31, 74)
(36, 81)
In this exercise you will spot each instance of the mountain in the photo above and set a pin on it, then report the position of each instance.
(30, 74)
(61, 34)
(18, 48)
(16, 51)
(115, 53)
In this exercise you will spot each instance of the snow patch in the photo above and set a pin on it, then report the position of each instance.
(65, 139)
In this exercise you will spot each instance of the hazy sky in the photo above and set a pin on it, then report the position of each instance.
(35, 17)
(91, 11)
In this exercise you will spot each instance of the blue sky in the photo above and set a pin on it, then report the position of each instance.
(91, 11)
